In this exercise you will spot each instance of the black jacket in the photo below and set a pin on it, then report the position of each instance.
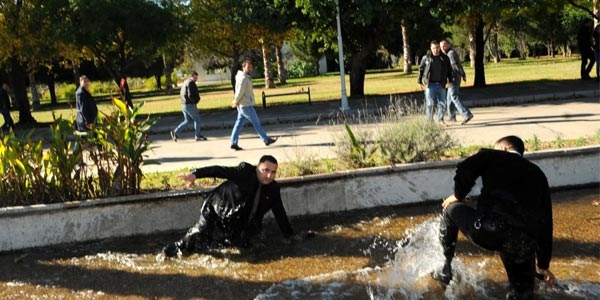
(513, 188)
(189, 92)
(87, 111)
(4, 100)
(425, 66)
(232, 200)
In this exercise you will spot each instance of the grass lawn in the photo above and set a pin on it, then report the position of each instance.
(327, 87)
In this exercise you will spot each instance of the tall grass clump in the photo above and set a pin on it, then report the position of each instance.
(402, 135)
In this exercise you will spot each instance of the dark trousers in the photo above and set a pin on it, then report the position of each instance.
(587, 62)
(200, 236)
(516, 248)
(8, 121)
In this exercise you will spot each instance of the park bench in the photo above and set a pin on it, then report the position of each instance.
(299, 92)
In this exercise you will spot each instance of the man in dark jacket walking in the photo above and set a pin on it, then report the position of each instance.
(586, 48)
(236, 207)
(87, 110)
(512, 216)
(435, 72)
(189, 106)
(5, 108)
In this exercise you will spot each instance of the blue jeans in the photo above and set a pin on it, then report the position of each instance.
(435, 92)
(190, 113)
(247, 113)
(453, 98)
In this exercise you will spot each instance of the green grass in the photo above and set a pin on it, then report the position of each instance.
(327, 87)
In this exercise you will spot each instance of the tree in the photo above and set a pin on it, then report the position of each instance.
(33, 34)
(476, 15)
(121, 34)
(366, 25)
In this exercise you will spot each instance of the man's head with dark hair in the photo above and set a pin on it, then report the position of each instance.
(246, 61)
(268, 158)
(509, 143)
(266, 169)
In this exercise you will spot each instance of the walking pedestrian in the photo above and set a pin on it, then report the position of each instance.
(244, 102)
(435, 72)
(5, 108)
(87, 110)
(236, 207)
(453, 101)
(584, 42)
(189, 100)
(512, 216)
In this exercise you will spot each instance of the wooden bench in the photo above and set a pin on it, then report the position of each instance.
(302, 91)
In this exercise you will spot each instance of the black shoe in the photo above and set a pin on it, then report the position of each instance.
(270, 141)
(236, 147)
(465, 121)
(174, 136)
(514, 295)
(201, 138)
(172, 250)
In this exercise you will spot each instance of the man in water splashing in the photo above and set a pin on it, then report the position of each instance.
(512, 216)
(236, 207)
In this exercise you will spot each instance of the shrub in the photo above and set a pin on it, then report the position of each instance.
(402, 135)
(299, 69)
(115, 148)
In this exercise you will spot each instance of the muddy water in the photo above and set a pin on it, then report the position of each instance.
(382, 253)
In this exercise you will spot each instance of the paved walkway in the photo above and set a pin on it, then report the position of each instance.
(565, 109)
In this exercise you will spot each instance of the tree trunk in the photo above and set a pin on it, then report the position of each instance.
(472, 44)
(479, 80)
(17, 82)
(357, 73)
(494, 47)
(269, 83)
(406, 62)
(168, 66)
(35, 98)
(52, 89)
(282, 73)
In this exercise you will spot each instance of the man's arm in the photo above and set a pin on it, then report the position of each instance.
(279, 211)
(216, 171)
(240, 86)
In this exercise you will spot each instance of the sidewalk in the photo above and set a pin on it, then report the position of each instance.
(565, 109)
(492, 95)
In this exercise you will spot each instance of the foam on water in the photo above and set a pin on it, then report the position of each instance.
(407, 276)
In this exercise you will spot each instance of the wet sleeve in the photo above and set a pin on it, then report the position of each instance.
(468, 171)
(279, 213)
(233, 173)
(544, 251)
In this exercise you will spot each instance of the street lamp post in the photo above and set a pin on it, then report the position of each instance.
(345, 105)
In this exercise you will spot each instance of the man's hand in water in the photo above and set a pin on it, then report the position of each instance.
(548, 277)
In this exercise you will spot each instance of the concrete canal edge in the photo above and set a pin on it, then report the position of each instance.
(81, 221)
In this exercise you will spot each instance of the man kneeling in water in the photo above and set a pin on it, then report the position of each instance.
(236, 207)
(513, 215)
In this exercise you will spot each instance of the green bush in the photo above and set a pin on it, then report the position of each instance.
(300, 69)
(402, 135)
(413, 139)
(105, 162)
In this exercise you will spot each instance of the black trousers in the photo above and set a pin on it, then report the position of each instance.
(588, 59)
(200, 236)
(491, 232)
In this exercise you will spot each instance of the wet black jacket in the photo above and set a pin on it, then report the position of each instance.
(513, 188)
(232, 200)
